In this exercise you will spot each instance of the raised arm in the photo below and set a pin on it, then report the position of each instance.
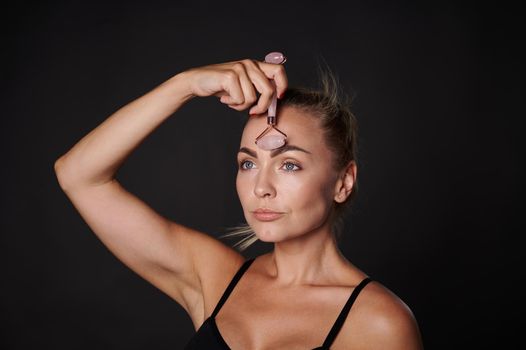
(178, 260)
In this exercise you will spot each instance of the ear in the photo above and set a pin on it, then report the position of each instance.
(345, 182)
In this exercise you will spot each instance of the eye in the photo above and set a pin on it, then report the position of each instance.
(246, 165)
(289, 166)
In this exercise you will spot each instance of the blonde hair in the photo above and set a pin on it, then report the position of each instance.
(248, 237)
(331, 106)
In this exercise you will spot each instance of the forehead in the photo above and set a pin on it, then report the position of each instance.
(302, 129)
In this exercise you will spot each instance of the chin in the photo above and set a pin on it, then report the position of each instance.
(269, 234)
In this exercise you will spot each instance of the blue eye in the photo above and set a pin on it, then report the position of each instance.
(247, 165)
(289, 166)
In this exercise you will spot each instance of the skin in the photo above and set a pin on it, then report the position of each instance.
(306, 266)
(298, 183)
(290, 297)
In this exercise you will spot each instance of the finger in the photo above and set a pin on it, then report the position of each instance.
(264, 101)
(232, 86)
(263, 85)
(277, 73)
(249, 92)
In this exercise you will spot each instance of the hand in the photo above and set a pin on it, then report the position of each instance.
(236, 83)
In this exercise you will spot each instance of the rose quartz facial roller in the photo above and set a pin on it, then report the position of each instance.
(270, 142)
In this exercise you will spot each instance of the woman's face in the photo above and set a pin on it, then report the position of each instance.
(287, 192)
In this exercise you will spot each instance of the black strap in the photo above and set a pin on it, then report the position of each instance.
(343, 314)
(232, 284)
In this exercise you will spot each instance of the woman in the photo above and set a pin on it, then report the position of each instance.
(290, 298)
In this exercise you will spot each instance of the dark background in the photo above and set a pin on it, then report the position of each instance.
(437, 91)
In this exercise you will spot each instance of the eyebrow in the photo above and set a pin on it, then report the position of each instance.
(275, 152)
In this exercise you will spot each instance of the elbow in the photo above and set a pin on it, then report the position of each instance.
(59, 172)
(72, 176)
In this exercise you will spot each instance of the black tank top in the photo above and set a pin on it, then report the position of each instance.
(208, 336)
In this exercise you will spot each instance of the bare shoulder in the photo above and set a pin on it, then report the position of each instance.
(379, 319)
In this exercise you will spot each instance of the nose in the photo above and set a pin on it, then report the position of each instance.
(264, 186)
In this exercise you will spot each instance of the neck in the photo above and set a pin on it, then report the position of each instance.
(306, 259)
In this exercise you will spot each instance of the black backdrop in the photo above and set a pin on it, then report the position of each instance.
(437, 91)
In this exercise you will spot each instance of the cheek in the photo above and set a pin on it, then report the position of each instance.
(243, 188)
(308, 198)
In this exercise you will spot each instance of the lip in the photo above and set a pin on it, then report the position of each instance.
(264, 214)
